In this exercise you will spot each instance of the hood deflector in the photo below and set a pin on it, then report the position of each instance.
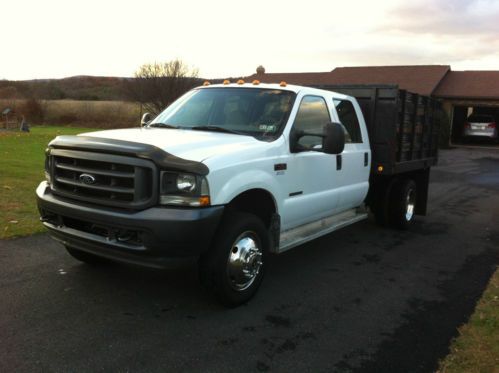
(161, 158)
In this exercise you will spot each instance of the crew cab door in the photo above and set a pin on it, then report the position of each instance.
(310, 183)
(355, 158)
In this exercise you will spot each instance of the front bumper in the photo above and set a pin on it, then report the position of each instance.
(153, 237)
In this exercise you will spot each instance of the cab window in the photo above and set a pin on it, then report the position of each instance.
(311, 117)
(348, 117)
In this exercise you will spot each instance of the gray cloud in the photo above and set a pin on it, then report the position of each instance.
(447, 17)
(386, 53)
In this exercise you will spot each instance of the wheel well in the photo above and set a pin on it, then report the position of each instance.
(256, 201)
(381, 186)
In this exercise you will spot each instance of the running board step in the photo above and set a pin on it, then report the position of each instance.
(308, 232)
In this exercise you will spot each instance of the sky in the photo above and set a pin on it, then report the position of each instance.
(224, 38)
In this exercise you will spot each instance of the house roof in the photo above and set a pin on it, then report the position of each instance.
(291, 78)
(470, 84)
(422, 79)
(436, 80)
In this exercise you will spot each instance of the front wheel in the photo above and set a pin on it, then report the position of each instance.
(233, 268)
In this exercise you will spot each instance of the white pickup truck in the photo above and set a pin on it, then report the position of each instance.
(231, 173)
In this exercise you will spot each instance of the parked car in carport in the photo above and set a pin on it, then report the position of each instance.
(480, 125)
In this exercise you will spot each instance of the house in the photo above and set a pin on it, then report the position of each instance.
(461, 92)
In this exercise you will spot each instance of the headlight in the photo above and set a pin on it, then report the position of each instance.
(183, 189)
(186, 182)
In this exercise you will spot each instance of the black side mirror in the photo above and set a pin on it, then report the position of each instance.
(146, 118)
(333, 141)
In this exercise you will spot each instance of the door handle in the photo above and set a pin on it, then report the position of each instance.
(339, 162)
(366, 159)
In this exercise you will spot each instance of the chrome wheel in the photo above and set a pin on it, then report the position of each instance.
(410, 204)
(245, 261)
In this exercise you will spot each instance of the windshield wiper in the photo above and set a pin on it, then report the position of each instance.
(217, 129)
(162, 125)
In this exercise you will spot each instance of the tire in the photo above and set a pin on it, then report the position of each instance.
(402, 204)
(379, 208)
(381, 200)
(223, 271)
(85, 257)
(380, 216)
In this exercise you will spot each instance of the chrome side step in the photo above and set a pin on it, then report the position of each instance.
(308, 232)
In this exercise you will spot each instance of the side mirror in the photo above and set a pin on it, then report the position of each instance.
(146, 118)
(333, 141)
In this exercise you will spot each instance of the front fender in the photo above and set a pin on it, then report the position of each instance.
(225, 188)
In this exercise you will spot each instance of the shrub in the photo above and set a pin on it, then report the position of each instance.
(33, 111)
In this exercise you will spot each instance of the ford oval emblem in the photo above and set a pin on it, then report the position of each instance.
(87, 179)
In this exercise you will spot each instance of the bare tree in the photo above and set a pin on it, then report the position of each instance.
(157, 85)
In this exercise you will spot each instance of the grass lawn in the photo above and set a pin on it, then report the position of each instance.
(21, 170)
(476, 350)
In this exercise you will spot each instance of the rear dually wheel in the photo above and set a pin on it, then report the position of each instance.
(402, 204)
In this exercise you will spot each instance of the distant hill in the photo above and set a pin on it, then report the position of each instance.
(81, 87)
(76, 88)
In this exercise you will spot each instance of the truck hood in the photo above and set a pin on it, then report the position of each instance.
(187, 144)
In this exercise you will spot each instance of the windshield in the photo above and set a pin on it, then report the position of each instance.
(261, 113)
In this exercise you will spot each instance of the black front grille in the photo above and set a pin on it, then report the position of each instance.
(104, 179)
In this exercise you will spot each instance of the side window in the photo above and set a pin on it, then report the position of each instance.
(348, 117)
(312, 115)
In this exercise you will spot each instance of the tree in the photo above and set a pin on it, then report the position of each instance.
(157, 85)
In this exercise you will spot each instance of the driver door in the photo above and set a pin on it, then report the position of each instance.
(311, 183)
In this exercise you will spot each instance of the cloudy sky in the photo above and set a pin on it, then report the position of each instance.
(54, 39)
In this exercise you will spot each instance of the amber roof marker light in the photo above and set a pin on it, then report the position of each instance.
(283, 84)
(226, 81)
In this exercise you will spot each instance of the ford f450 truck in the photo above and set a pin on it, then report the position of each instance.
(231, 173)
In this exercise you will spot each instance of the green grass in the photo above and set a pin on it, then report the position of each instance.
(21, 170)
(476, 349)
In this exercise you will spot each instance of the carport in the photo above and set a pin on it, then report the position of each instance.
(462, 111)
(464, 93)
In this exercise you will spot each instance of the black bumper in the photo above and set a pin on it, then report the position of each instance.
(154, 237)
